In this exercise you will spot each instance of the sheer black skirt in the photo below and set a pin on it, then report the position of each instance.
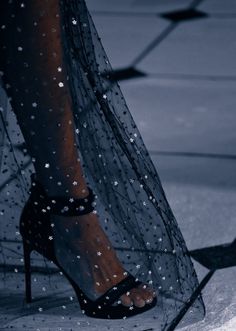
(131, 204)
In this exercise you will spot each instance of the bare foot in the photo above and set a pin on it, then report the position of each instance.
(81, 244)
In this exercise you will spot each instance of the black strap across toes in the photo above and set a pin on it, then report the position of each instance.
(114, 293)
(103, 307)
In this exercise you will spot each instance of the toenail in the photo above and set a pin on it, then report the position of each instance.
(140, 304)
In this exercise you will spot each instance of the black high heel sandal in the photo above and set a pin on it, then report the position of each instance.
(36, 231)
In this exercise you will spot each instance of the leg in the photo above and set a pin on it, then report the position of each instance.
(33, 66)
(37, 77)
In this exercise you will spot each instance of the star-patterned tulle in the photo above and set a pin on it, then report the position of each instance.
(132, 206)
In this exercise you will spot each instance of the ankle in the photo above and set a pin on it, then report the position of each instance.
(62, 187)
(67, 190)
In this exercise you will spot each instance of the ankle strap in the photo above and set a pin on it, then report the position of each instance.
(65, 206)
(71, 206)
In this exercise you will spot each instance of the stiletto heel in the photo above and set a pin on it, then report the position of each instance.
(27, 250)
(37, 234)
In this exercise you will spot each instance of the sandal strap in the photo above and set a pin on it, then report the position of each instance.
(70, 206)
(114, 293)
(65, 206)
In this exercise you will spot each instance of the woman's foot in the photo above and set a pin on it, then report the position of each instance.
(84, 251)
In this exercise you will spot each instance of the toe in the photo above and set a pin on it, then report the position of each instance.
(126, 300)
(137, 297)
(148, 293)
